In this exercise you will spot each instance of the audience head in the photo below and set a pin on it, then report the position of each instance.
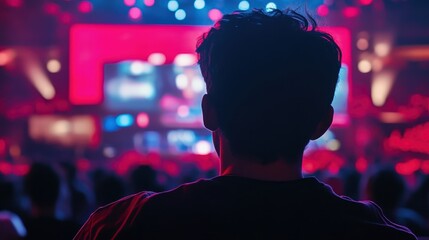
(270, 79)
(352, 180)
(387, 189)
(42, 185)
(108, 187)
(143, 178)
(7, 193)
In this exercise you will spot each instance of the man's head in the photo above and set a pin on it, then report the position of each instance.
(270, 78)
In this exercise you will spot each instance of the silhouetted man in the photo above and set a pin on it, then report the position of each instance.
(270, 79)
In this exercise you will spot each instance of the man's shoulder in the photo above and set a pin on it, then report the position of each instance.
(123, 205)
(371, 221)
(119, 217)
(107, 221)
(360, 219)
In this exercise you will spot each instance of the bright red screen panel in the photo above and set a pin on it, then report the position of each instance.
(93, 45)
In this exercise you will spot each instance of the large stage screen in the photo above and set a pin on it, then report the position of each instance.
(101, 52)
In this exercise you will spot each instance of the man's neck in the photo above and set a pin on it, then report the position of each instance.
(280, 170)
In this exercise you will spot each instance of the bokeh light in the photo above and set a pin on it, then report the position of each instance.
(124, 120)
(364, 66)
(362, 44)
(156, 59)
(15, 3)
(244, 5)
(53, 66)
(142, 120)
(270, 6)
(51, 8)
(215, 14)
(202, 147)
(180, 14)
(199, 4)
(185, 59)
(365, 2)
(130, 3)
(323, 10)
(183, 111)
(181, 81)
(85, 7)
(173, 5)
(351, 12)
(149, 3)
(382, 49)
(139, 67)
(6, 56)
(135, 13)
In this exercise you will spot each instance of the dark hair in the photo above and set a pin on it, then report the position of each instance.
(271, 77)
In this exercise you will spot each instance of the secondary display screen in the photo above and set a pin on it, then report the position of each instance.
(170, 94)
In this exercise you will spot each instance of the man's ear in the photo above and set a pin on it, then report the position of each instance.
(324, 124)
(209, 114)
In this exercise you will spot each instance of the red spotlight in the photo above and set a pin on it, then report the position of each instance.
(351, 12)
(365, 2)
(323, 10)
(215, 14)
(85, 7)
